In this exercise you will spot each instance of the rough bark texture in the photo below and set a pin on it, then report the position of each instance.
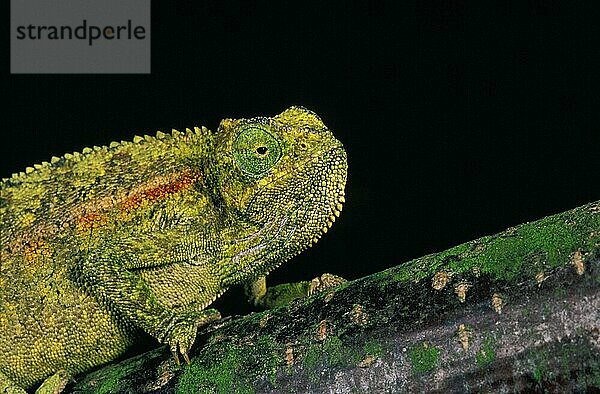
(517, 311)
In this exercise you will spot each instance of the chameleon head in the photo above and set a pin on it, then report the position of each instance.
(285, 176)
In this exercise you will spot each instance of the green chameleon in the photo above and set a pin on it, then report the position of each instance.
(97, 246)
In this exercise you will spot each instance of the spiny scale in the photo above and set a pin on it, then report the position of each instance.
(55, 161)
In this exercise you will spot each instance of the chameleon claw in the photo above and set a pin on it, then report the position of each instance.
(186, 358)
(175, 356)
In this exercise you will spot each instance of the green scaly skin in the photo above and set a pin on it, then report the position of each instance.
(100, 245)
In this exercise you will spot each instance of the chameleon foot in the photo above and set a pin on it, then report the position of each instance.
(182, 333)
(273, 296)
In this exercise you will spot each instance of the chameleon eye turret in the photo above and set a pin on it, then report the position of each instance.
(256, 151)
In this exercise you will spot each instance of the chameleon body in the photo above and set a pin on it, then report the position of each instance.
(142, 236)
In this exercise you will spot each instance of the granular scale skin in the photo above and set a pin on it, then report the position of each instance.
(143, 236)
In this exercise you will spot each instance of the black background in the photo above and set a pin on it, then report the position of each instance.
(460, 119)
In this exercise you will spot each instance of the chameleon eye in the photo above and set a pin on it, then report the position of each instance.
(262, 150)
(256, 150)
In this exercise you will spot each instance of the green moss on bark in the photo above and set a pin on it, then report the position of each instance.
(226, 368)
(486, 355)
(424, 357)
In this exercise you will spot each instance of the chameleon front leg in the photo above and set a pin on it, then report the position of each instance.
(54, 384)
(109, 277)
(269, 297)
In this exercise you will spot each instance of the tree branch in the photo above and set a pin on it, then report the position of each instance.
(517, 311)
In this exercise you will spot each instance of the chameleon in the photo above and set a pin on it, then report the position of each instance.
(99, 247)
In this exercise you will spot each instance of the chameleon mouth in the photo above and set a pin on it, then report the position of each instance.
(327, 170)
(315, 198)
(336, 211)
(326, 196)
(287, 229)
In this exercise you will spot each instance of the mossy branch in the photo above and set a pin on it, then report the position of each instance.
(517, 311)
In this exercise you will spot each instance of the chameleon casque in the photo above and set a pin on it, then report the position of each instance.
(144, 235)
